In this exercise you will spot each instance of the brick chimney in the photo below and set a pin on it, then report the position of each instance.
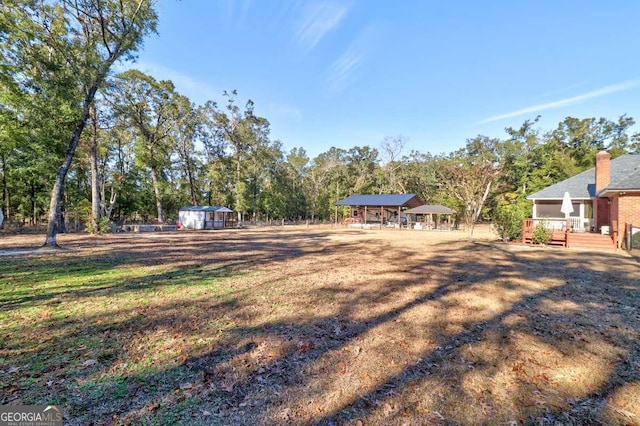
(603, 170)
(601, 211)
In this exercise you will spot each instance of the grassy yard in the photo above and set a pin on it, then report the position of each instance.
(319, 326)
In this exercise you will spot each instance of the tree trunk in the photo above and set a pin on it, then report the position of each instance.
(112, 202)
(156, 190)
(192, 185)
(5, 191)
(95, 181)
(476, 214)
(237, 188)
(33, 203)
(54, 226)
(237, 191)
(484, 198)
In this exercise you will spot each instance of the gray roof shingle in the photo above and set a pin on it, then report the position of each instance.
(625, 175)
(628, 180)
(431, 209)
(385, 200)
(205, 209)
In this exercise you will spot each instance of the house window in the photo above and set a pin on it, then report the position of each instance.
(549, 210)
(576, 210)
(553, 210)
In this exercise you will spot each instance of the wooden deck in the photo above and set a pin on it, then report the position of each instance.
(561, 235)
(560, 230)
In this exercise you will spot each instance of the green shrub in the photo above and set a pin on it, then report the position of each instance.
(101, 229)
(509, 217)
(541, 235)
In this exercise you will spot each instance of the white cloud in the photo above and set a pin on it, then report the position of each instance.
(343, 69)
(621, 87)
(317, 20)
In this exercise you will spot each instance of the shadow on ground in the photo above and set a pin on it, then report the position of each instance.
(316, 328)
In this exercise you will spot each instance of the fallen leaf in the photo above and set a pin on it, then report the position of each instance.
(227, 387)
(286, 414)
(89, 362)
(12, 389)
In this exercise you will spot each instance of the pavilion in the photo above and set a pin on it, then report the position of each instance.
(378, 208)
(428, 211)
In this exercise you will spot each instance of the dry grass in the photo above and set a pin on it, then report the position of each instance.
(320, 326)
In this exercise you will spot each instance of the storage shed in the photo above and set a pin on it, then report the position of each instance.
(203, 217)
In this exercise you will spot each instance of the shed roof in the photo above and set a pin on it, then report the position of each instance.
(625, 175)
(205, 209)
(224, 210)
(381, 200)
(431, 209)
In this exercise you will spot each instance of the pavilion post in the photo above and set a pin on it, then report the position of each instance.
(365, 215)
(381, 216)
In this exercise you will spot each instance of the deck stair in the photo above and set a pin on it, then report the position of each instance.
(591, 240)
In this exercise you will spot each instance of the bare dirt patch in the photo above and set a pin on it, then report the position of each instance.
(320, 326)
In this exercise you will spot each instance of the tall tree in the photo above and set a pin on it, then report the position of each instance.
(242, 135)
(392, 165)
(361, 165)
(319, 176)
(62, 51)
(469, 174)
(185, 132)
(297, 165)
(150, 108)
(420, 173)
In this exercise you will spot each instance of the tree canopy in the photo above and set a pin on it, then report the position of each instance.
(78, 144)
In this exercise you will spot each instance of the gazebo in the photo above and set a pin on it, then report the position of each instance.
(428, 211)
(378, 208)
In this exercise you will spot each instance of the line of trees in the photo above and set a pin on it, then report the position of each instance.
(75, 138)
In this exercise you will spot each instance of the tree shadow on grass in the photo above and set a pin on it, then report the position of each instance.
(492, 336)
(533, 394)
(185, 261)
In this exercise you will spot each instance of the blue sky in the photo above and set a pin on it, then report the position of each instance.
(348, 73)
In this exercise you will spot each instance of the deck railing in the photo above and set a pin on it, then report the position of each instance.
(550, 224)
(577, 223)
(560, 230)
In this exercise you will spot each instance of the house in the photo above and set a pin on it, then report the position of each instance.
(378, 208)
(604, 198)
(203, 217)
